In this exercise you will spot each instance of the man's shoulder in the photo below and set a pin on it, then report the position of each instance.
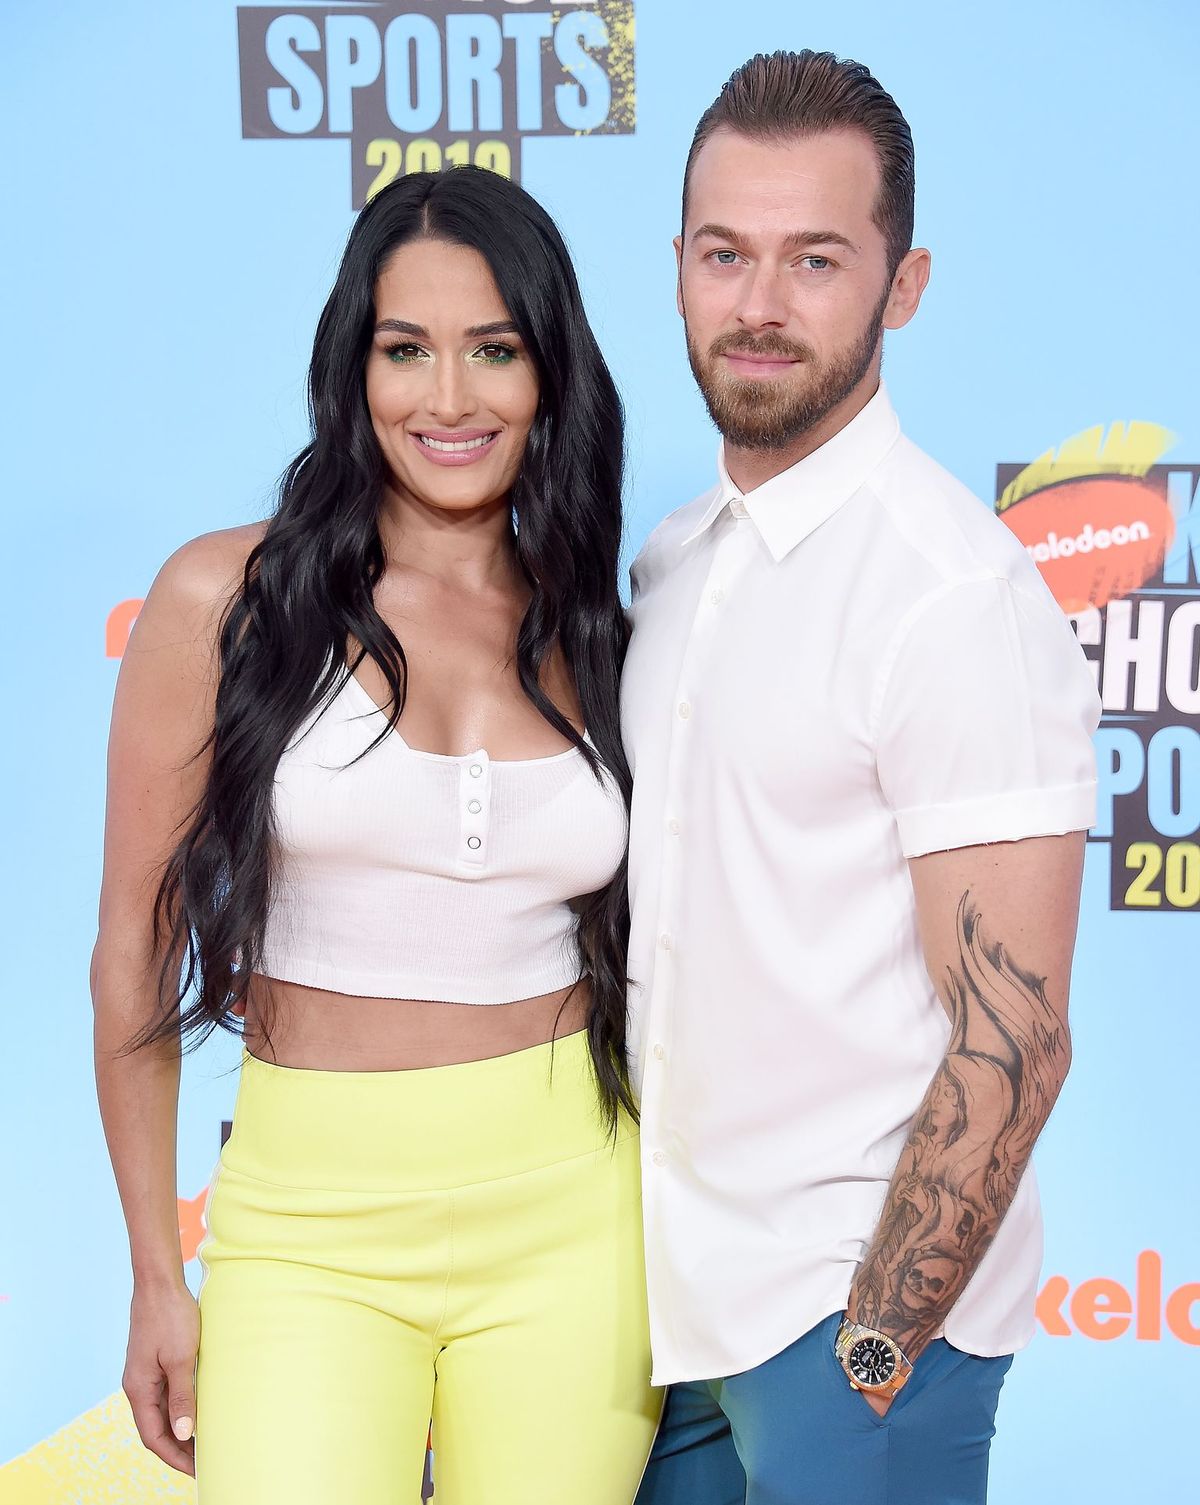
(956, 534)
(656, 552)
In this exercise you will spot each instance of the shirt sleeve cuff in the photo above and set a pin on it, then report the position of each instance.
(1012, 816)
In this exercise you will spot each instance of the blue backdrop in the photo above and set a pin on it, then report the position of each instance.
(163, 276)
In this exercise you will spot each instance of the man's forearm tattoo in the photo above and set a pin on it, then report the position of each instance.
(970, 1141)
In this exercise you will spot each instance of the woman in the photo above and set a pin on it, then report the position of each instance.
(398, 853)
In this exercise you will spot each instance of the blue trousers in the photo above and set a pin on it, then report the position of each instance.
(792, 1432)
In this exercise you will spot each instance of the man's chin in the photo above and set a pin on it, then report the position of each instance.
(763, 414)
(745, 425)
(757, 442)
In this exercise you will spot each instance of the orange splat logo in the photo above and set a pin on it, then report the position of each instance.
(191, 1224)
(1092, 514)
(119, 625)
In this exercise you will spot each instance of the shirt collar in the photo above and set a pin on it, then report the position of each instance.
(793, 504)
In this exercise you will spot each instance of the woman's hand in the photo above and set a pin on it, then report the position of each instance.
(160, 1370)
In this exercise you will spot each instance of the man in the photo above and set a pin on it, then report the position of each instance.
(860, 732)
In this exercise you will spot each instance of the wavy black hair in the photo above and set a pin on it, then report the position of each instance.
(309, 586)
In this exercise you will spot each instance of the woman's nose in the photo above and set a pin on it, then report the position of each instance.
(451, 398)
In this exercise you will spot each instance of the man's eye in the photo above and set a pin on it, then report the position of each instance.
(818, 263)
(725, 258)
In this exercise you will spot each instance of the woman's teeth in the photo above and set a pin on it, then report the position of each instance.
(457, 446)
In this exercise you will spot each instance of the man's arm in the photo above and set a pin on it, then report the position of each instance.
(997, 926)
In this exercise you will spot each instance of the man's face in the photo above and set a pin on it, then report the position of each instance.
(783, 281)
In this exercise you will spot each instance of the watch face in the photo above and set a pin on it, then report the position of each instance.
(871, 1361)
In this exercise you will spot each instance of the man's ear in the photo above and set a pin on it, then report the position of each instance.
(678, 244)
(909, 283)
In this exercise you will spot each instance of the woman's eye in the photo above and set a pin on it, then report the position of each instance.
(404, 355)
(497, 355)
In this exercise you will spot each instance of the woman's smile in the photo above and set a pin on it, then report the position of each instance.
(455, 447)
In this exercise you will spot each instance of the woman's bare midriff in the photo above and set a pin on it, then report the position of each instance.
(321, 1031)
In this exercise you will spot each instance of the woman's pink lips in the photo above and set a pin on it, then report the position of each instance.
(452, 436)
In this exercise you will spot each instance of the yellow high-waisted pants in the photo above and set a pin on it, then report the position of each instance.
(460, 1243)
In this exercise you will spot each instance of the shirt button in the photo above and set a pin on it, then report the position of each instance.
(717, 596)
(659, 1053)
(737, 507)
(474, 807)
(659, 1157)
(674, 827)
(475, 771)
(685, 710)
(665, 941)
(474, 843)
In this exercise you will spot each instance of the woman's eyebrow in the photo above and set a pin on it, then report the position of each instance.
(400, 326)
(477, 331)
(498, 326)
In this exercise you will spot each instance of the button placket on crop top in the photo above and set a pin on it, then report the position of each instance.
(475, 807)
(402, 873)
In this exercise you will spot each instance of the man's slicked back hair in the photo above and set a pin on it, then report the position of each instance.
(780, 95)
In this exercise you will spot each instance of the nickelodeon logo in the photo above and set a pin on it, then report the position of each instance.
(1103, 1309)
(1116, 537)
(1090, 515)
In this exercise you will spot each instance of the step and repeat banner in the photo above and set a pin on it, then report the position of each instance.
(174, 215)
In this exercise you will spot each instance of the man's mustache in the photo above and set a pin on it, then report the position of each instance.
(741, 342)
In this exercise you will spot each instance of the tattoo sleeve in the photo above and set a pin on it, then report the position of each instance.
(969, 1143)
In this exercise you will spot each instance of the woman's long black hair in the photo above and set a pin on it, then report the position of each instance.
(309, 590)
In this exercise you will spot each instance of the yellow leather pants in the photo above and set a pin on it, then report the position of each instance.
(461, 1244)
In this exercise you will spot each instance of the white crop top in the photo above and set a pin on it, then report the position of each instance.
(408, 874)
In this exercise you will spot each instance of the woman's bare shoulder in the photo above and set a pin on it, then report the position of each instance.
(210, 568)
(194, 587)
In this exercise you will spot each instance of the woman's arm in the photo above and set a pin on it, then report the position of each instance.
(162, 715)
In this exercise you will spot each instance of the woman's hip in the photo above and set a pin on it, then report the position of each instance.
(399, 1172)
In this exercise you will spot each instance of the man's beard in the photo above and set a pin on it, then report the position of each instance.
(768, 416)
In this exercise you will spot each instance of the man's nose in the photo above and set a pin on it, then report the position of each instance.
(764, 305)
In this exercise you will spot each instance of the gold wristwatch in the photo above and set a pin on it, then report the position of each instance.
(874, 1363)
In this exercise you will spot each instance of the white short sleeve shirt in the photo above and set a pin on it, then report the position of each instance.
(852, 665)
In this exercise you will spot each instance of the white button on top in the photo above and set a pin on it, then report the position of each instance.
(665, 941)
(659, 1157)
(474, 843)
(659, 1052)
(475, 771)
(685, 710)
(717, 596)
(738, 508)
(674, 827)
(474, 806)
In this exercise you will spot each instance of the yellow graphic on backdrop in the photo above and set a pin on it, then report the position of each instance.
(1130, 449)
(99, 1459)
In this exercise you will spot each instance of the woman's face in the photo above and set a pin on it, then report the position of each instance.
(451, 388)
